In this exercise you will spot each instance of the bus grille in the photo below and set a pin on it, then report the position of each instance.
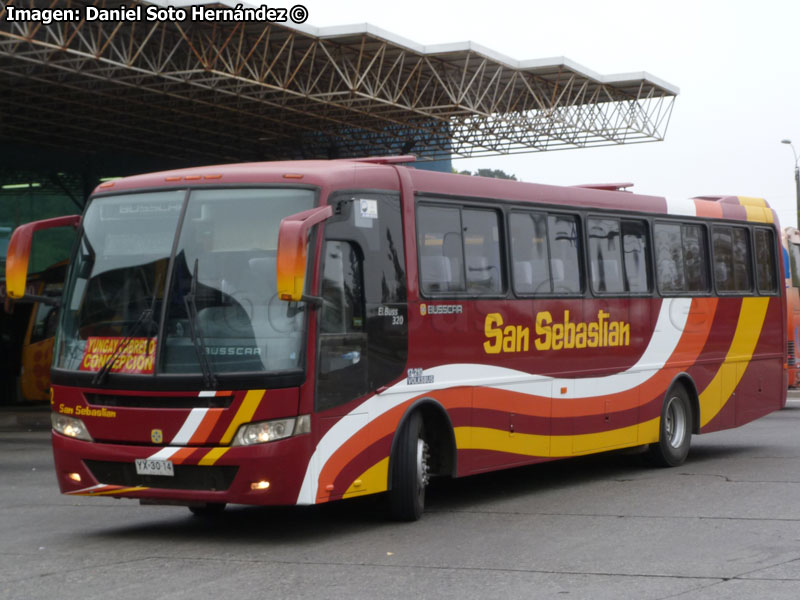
(187, 477)
(792, 360)
(119, 401)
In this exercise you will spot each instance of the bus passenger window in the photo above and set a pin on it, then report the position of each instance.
(604, 255)
(732, 259)
(482, 251)
(741, 259)
(765, 260)
(562, 233)
(669, 257)
(529, 254)
(695, 257)
(723, 259)
(441, 250)
(681, 258)
(636, 255)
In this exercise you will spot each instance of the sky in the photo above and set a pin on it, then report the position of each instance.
(737, 64)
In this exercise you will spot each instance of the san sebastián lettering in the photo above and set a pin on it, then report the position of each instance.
(565, 334)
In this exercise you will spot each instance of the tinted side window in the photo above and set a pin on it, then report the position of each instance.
(681, 257)
(565, 265)
(695, 257)
(765, 260)
(723, 259)
(482, 251)
(342, 334)
(669, 257)
(636, 256)
(604, 255)
(529, 254)
(342, 289)
(440, 249)
(731, 259)
(742, 268)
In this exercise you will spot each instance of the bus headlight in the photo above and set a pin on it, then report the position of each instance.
(70, 427)
(269, 431)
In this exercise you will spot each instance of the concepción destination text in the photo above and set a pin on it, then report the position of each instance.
(138, 13)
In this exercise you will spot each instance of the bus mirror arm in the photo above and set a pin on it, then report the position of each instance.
(315, 302)
(31, 298)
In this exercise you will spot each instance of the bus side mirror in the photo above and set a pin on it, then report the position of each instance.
(293, 252)
(19, 251)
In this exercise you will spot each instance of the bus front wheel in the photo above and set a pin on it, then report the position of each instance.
(209, 510)
(410, 471)
(675, 430)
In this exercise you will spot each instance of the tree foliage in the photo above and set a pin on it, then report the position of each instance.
(496, 173)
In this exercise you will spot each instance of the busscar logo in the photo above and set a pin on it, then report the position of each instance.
(441, 309)
(156, 436)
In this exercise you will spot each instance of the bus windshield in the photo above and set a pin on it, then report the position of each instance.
(176, 282)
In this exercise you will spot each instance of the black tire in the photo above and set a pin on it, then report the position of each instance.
(409, 472)
(675, 433)
(209, 510)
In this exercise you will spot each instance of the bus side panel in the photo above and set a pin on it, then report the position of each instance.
(743, 387)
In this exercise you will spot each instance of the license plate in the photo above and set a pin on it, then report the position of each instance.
(152, 466)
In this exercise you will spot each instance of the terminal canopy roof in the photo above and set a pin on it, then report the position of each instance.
(227, 91)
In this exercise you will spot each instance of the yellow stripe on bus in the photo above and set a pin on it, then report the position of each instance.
(525, 444)
(756, 209)
(111, 492)
(748, 331)
(212, 456)
(373, 480)
(244, 414)
(756, 214)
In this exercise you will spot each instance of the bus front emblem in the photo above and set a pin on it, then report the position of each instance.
(156, 436)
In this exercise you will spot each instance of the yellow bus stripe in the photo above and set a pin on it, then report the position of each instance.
(373, 480)
(111, 492)
(212, 456)
(752, 201)
(756, 209)
(525, 444)
(748, 331)
(244, 414)
(756, 214)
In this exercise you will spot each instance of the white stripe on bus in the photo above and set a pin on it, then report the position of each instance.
(666, 335)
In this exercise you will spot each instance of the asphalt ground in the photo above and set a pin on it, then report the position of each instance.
(725, 525)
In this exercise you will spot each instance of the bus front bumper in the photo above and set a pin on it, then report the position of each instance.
(262, 474)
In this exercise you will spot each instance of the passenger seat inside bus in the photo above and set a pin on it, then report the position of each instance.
(437, 274)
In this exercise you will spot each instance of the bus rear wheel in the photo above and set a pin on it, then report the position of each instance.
(675, 431)
(410, 472)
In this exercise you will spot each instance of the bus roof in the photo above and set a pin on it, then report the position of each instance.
(381, 173)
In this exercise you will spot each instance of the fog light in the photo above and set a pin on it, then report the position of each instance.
(259, 485)
(76, 477)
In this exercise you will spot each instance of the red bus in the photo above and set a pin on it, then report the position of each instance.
(791, 255)
(301, 332)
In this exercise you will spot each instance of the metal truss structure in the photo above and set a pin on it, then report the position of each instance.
(252, 91)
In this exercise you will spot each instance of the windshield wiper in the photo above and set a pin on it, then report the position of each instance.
(209, 380)
(145, 316)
